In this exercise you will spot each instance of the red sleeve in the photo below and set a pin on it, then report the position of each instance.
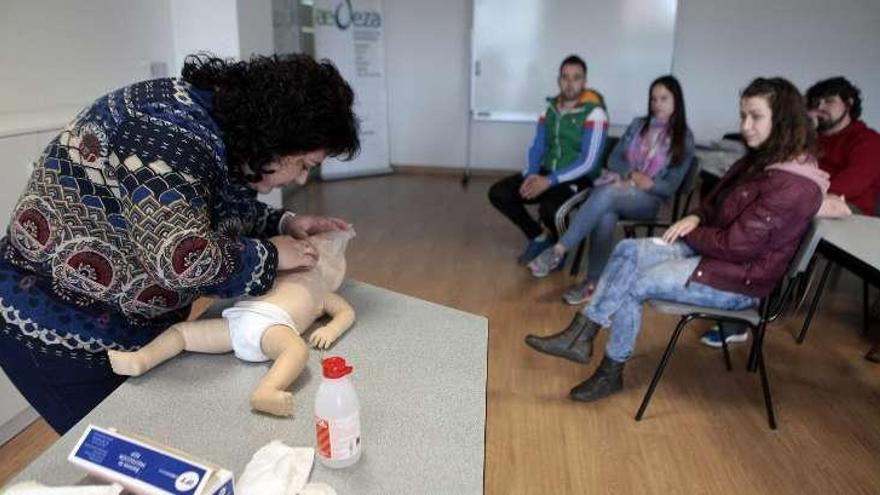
(861, 172)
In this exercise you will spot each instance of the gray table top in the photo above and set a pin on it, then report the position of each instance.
(420, 375)
(717, 161)
(858, 235)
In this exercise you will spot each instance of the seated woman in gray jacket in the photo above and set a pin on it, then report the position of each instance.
(644, 169)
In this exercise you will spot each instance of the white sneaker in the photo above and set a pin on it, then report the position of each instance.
(712, 337)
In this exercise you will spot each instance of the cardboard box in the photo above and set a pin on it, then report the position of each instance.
(146, 467)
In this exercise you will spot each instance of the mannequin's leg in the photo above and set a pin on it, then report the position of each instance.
(210, 336)
(291, 354)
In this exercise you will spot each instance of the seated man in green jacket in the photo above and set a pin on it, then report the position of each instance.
(563, 158)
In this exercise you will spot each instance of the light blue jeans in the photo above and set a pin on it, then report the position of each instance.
(599, 214)
(640, 269)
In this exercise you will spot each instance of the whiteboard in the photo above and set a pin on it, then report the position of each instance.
(517, 46)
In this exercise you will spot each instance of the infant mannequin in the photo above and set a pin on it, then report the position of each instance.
(265, 327)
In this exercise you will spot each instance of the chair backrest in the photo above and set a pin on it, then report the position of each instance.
(686, 189)
(610, 143)
(796, 268)
(690, 180)
(809, 242)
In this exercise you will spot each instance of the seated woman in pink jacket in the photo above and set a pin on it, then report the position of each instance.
(732, 251)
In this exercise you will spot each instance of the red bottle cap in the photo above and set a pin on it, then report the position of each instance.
(335, 367)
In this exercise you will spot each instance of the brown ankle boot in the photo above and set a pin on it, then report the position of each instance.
(574, 343)
(607, 380)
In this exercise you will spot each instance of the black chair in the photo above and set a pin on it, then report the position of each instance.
(769, 309)
(686, 190)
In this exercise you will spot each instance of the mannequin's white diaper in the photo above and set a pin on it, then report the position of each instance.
(248, 321)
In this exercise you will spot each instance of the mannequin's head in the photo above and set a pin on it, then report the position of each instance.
(331, 251)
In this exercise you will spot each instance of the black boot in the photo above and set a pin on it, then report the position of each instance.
(607, 380)
(574, 343)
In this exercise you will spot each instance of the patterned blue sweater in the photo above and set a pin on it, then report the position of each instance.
(128, 216)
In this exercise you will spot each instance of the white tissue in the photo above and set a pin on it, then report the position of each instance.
(33, 488)
(276, 469)
(659, 241)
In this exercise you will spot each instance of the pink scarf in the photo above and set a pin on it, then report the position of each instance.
(649, 153)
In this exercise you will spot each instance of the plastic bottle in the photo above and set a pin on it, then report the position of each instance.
(337, 416)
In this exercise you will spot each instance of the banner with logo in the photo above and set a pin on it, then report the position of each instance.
(351, 34)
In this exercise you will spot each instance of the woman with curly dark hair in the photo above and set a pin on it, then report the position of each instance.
(147, 200)
(732, 251)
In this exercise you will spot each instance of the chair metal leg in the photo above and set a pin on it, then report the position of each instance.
(815, 302)
(866, 307)
(765, 385)
(576, 264)
(752, 364)
(807, 280)
(665, 359)
(724, 346)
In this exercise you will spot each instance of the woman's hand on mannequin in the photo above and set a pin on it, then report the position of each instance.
(294, 253)
(302, 226)
(681, 228)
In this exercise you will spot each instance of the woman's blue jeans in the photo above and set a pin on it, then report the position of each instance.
(599, 215)
(642, 269)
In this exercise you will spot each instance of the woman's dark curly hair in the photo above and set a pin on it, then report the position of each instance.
(792, 135)
(272, 106)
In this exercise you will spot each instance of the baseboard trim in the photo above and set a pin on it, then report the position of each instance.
(450, 171)
(17, 424)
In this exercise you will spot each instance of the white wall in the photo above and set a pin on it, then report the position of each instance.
(255, 28)
(19, 153)
(500, 145)
(204, 25)
(722, 45)
(226, 28)
(57, 53)
(426, 59)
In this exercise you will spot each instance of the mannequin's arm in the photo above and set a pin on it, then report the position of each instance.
(209, 336)
(342, 315)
